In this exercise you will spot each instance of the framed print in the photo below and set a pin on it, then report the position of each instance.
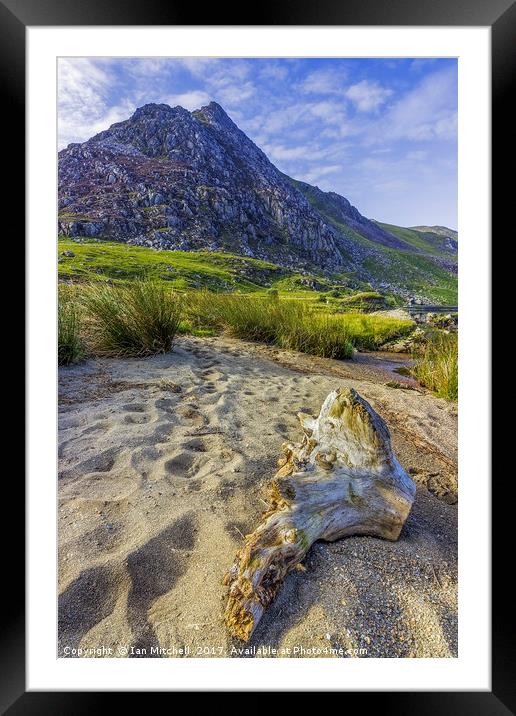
(258, 261)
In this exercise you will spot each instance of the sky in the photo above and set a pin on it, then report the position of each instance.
(381, 132)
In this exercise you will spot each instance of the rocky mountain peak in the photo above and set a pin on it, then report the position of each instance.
(155, 111)
(170, 178)
(214, 114)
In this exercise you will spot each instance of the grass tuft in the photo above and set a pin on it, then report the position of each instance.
(437, 365)
(137, 319)
(70, 347)
(292, 324)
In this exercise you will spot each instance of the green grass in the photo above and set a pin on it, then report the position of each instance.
(142, 317)
(292, 324)
(410, 236)
(100, 260)
(363, 301)
(138, 319)
(437, 365)
(417, 273)
(70, 347)
(288, 324)
(96, 260)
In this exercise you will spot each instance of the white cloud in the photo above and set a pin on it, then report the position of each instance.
(280, 152)
(323, 82)
(316, 175)
(146, 67)
(189, 100)
(231, 94)
(309, 153)
(367, 96)
(83, 90)
(417, 155)
(328, 111)
(427, 112)
(273, 71)
(198, 66)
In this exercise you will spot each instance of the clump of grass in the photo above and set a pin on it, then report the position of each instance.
(137, 319)
(437, 365)
(292, 324)
(318, 334)
(365, 302)
(70, 348)
(369, 333)
(289, 324)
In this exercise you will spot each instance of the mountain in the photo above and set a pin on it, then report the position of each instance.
(170, 178)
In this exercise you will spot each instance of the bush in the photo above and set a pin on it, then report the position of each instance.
(138, 319)
(437, 365)
(70, 347)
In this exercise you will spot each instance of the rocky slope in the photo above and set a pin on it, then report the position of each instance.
(170, 178)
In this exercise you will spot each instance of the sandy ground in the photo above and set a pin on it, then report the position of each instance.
(162, 463)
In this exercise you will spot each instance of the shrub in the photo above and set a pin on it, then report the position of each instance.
(70, 347)
(138, 319)
(437, 365)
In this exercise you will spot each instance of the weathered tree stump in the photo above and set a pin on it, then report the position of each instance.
(342, 480)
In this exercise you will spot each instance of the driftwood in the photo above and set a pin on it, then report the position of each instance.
(342, 480)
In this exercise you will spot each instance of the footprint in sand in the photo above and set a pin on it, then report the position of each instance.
(181, 465)
(135, 419)
(213, 375)
(100, 425)
(281, 428)
(198, 445)
(143, 456)
(133, 408)
(103, 461)
(193, 456)
(208, 388)
(191, 416)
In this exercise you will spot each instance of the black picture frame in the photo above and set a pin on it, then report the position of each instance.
(500, 15)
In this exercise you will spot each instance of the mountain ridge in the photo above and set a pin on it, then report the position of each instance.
(170, 178)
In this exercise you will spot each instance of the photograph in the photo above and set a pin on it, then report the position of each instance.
(258, 328)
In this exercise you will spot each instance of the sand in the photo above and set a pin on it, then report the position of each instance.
(162, 464)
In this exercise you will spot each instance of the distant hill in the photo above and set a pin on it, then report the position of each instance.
(167, 178)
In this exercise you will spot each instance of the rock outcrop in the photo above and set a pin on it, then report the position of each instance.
(168, 178)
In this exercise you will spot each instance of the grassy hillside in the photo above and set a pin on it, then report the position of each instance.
(424, 239)
(412, 237)
(417, 270)
(119, 262)
(94, 260)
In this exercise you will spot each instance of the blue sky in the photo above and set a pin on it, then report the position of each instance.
(382, 132)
